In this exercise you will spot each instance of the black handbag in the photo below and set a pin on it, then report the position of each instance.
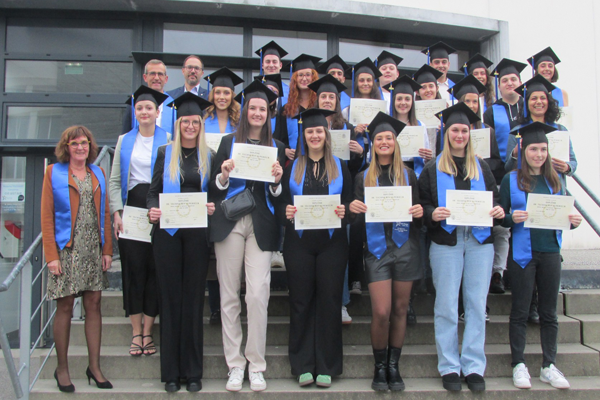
(239, 205)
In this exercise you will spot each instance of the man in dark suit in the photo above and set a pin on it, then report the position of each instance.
(192, 70)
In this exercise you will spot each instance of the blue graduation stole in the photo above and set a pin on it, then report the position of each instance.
(335, 187)
(286, 93)
(521, 242)
(376, 231)
(344, 100)
(501, 128)
(446, 182)
(292, 128)
(418, 162)
(170, 186)
(166, 115)
(450, 85)
(127, 143)
(62, 203)
(211, 125)
(237, 185)
(557, 94)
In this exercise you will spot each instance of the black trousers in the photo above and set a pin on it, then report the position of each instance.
(181, 266)
(315, 266)
(543, 270)
(356, 266)
(138, 271)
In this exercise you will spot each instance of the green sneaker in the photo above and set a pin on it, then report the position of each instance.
(324, 380)
(305, 379)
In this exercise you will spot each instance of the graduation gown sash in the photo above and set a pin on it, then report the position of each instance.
(501, 128)
(557, 94)
(211, 125)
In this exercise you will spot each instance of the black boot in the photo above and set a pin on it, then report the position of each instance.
(379, 377)
(393, 374)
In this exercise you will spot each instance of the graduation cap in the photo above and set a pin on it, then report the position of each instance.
(256, 90)
(545, 55)
(459, 113)
(507, 66)
(334, 62)
(366, 66)
(536, 84)
(427, 74)
(270, 48)
(387, 58)
(384, 123)
(469, 84)
(477, 61)
(303, 61)
(438, 50)
(534, 132)
(327, 84)
(271, 80)
(223, 77)
(145, 93)
(311, 118)
(405, 85)
(189, 104)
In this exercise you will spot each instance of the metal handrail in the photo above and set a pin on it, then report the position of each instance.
(584, 213)
(20, 379)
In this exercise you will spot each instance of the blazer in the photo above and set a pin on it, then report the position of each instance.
(175, 93)
(266, 228)
(47, 219)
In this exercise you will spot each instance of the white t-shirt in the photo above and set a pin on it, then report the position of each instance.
(141, 160)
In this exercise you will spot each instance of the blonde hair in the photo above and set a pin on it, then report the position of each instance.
(176, 159)
(448, 166)
(396, 172)
(330, 163)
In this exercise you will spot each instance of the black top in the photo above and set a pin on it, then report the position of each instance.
(429, 198)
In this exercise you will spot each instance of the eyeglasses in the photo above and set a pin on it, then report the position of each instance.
(73, 144)
(187, 123)
(193, 68)
(159, 74)
(307, 75)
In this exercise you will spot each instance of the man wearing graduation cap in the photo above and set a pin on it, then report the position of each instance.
(438, 56)
(270, 63)
(192, 71)
(336, 67)
(388, 66)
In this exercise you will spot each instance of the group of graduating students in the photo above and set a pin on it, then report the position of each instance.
(169, 275)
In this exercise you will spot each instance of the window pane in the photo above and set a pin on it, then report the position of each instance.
(353, 51)
(176, 78)
(67, 77)
(203, 39)
(30, 123)
(68, 37)
(295, 43)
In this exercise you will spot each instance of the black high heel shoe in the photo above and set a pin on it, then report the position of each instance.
(101, 385)
(65, 389)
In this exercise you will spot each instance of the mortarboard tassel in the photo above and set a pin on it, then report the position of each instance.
(496, 80)
(291, 69)
(428, 58)
(532, 67)
(392, 101)
(208, 85)
(466, 69)
(441, 132)
(301, 134)
(525, 102)
(243, 96)
(452, 95)
(518, 137)
(352, 82)
(133, 120)
(261, 61)
(173, 117)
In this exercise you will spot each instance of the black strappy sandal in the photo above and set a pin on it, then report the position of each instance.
(150, 348)
(134, 347)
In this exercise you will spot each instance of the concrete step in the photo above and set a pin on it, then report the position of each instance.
(590, 327)
(582, 301)
(418, 361)
(499, 304)
(582, 388)
(117, 331)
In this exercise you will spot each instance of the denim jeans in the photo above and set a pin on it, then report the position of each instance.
(472, 262)
(501, 236)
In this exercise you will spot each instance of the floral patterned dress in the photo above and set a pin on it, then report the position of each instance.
(82, 263)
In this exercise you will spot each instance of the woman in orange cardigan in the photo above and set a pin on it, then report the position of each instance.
(77, 246)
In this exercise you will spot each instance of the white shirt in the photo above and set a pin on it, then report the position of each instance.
(443, 89)
(160, 115)
(141, 160)
(194, 89)
(386, 97)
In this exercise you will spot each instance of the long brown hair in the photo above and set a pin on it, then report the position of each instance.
(233, 111)
(241, 133)
(61, 151)
(330, 164)
(412, 115)
(396, 172)
(292, 108)
(337, 120)
(375, 91)
(525, 181)
(489, 95)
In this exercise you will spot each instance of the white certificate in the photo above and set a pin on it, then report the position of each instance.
(480, 140)
(425, 111)
(388, 204)
(411, 139)
(317, 212)
(558, 145)
(136, 225)
(547, 211)
(469, 207)
(340, 143)
(213, 140)
(183, 210)
(253, 162)
(362, 111)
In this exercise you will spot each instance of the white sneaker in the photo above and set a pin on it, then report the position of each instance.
(521, 377)
(277, 260)
(355, 288)
(554, 377)
(257, 381)
(236, 379)
(346, 318)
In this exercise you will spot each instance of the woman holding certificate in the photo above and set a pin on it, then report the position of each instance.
(182, 168)
(224, 115)
(534, 257)
(303, 72)
(364, 86)
(245, 232)
(460, 198)
(133, 163)
(317, 186)
(392, 255)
